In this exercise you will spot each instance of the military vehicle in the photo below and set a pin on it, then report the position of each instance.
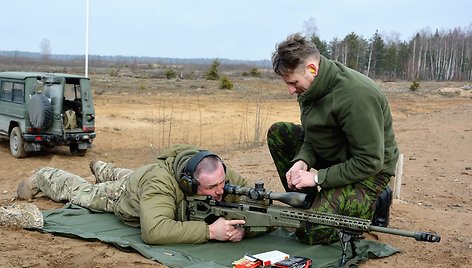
(41, 110)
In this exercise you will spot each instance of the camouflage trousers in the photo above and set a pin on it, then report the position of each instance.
(60, 185)
(357, 199)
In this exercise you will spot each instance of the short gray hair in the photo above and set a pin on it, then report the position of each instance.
(292, 52)
(208, 164)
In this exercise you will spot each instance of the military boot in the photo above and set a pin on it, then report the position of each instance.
(382, 208)
(27, 188)
(93, 166)
(97, 168)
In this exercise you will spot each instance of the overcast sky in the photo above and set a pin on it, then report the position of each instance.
(232, 29)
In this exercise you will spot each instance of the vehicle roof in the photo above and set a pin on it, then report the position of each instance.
(24, 75)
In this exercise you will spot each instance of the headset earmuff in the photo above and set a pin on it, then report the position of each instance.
(188, 184)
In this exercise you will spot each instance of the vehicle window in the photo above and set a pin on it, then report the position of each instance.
(72, 92)
(18, 93)
(6, 91)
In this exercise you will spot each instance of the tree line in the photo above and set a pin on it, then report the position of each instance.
(444, 55)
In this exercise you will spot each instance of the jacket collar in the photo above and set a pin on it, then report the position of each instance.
(320, 86)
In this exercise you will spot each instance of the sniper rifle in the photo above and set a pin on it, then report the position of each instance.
(256, 207)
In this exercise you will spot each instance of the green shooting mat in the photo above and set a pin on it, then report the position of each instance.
(75, 221)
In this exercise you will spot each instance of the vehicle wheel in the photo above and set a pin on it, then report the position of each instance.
(74, 150)
(40, 111)
(17, 144)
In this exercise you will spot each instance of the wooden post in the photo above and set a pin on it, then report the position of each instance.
(396, 183)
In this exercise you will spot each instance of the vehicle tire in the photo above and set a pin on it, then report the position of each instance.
(74, 150)
(40, 111)
(17, 144)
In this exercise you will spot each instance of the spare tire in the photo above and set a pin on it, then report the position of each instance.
(40, 111)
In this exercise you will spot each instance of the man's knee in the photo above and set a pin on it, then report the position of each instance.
(275, 129)
(284, 130)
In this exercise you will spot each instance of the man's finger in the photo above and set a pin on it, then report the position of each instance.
(236, 222)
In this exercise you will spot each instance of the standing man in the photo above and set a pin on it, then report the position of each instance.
(345, 146)
(150, 196)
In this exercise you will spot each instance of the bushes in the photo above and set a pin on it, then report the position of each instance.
(113, 72)
(254, 73)
(414, 85)
(212, 73)
(170, 74)
(226, 83)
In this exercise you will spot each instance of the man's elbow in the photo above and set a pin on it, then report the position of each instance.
(151, 236)
(373, 166)
(151, 239)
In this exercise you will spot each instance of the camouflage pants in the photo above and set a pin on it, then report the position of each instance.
(104, 171)
(60, 185)
(358, 199)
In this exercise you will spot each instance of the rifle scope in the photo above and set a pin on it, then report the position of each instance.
(294, 199)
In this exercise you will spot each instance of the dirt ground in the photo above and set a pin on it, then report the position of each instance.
(433, 128)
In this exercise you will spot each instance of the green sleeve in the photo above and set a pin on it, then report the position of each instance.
(158, 205)
(306, 154)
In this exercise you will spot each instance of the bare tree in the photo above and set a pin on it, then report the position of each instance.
(310, 27)
(45, 48)
(444, 55)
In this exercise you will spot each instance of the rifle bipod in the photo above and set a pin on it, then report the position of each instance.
(348, 237)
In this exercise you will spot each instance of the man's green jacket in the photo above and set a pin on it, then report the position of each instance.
(152, 199)
(348, 127)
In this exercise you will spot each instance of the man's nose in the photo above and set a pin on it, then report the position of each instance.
(220, 190)
(292, 89)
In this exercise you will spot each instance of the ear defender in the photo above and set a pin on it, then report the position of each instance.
(188, 184)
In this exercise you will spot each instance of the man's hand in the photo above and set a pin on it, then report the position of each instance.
(298, 177)
(224, 230)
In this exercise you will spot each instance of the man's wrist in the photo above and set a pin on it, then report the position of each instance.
(209, 234)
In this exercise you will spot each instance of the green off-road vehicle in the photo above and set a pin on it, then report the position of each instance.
(39, 110)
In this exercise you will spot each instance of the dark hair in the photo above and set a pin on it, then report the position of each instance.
(292, 52)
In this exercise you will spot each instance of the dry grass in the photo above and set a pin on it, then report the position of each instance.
(186, 111)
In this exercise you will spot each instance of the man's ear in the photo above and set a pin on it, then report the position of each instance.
(313, 69)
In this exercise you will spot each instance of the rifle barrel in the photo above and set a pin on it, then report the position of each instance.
(354, 224)
(300, 200)
(419, 236)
